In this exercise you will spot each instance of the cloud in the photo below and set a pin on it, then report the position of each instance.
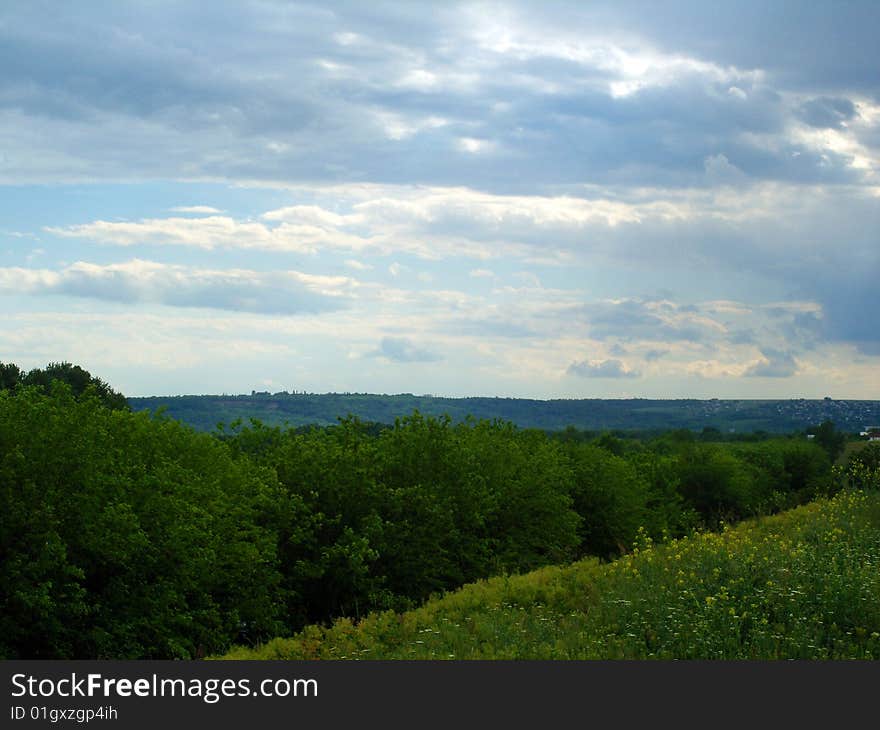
(654, 355)
(520, 99)
(720, 171)
(601, 369)
(824, 112)
(207, 233)
(607, 151)
(751, 35)
(776, 364)
(139, 282)
(474, 146)
(489, 326)
(651, 320)
(357, 265)
(741, 337)
(402, 350)
(197, 209)
(813, 244)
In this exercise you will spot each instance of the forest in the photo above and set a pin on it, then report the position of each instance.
(736, 419)
(132, 535)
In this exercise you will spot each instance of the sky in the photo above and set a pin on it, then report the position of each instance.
(542, 200)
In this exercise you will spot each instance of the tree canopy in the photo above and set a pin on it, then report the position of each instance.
(79, 380)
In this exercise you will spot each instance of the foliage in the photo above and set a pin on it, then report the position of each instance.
(125, 536)
(868, 456)
(422, 507)
(129, 535)
(829, 438)
(801, 585)
(80, 381)
(611, 496)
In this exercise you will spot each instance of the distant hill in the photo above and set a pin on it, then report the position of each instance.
(204, 412)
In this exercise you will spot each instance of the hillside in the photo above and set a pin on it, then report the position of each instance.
(803, 584)
(204, 412)
(130, 535)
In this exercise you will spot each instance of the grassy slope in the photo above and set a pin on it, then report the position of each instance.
(803, 584)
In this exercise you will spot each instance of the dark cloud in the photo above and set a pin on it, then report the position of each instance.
(654, 355)
(802, 330)
(777, 364)
(741, 337)
(634, 319)
(601, 369)
(848, 306)
(308, 92)
(824, 112)
(823, 45)
(402, 350)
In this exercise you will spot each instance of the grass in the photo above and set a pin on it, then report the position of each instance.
(800, 585)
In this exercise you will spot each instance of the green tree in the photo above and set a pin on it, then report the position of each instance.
(125, 536)
(80, 381)
(716, 483)
(829, 438)
(611, 497)
(10, 376)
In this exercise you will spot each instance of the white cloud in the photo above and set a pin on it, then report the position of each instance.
(309, 215)
(137, 281)
(474, 146)
(620, 65)
(601, 369)
(198, 209)
(357, 265)
(210, 233)
(435, 223)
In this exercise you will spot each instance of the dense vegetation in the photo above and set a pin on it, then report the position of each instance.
(731, 418)
(130, 535)
(79, 380)
(801, 585)
(126, 536)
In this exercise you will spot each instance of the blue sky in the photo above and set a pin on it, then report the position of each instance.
(515, 199)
